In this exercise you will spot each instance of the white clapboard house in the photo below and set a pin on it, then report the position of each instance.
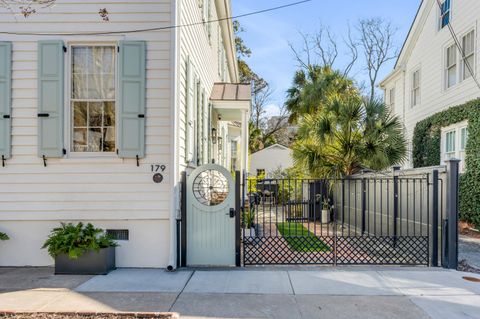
(431, 73)
(97, 122)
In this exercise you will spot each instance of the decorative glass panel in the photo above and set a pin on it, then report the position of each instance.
(93, 99)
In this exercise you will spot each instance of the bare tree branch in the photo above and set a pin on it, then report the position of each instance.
(376, 40)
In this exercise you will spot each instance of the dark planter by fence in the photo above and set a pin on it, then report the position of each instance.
(90, 263)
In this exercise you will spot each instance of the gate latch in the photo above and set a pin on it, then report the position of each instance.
(232, 212)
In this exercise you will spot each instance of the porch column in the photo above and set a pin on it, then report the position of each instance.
(245, 137)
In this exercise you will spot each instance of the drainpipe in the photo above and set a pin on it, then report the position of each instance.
(175, 207)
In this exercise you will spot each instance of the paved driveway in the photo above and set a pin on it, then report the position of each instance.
(292, 292)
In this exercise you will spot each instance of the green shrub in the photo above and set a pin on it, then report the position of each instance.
(4, 236)
(75, 240)
(426, 152)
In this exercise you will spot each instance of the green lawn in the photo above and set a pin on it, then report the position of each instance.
(301, 239)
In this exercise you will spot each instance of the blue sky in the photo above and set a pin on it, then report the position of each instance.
(269, 34)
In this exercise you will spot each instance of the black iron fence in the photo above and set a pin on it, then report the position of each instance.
(390, 218)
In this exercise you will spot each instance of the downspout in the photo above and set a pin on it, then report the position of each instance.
(175, 197)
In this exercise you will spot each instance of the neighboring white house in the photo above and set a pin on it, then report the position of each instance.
(431, 74)
(269, 159)
(87, 117)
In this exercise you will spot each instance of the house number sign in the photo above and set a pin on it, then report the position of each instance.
(158, 169)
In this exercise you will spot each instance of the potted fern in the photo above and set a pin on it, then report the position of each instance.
(81, 250)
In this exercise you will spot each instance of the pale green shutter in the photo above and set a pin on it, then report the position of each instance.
(5, 99)
(50, 98)
(187, 108)
(132, 90)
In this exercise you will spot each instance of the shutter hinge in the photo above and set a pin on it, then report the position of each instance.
(65, 49)
(117, 151)
(118, 48)
(44, 161)
(3, 160)
(64, 152)
(138, 161)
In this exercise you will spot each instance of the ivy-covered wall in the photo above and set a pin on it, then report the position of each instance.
(426, 152)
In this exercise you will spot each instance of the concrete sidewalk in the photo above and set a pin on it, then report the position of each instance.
(317, 292)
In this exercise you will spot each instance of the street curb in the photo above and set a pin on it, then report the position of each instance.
(145, 315)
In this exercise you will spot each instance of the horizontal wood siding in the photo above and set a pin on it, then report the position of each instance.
(428, 55)
(88, 188)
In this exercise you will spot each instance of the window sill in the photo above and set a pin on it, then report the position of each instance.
(92, 159)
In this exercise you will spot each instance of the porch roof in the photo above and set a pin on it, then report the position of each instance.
(231, 92)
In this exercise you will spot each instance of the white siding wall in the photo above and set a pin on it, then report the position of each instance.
(270, 159)
(428, 55)
(109, 191)
(204, 57)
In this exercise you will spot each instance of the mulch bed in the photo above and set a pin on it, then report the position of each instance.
(26, 315)
(468, 230)
(464, 266)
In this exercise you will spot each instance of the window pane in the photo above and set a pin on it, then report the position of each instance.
(95, 114)
(95, 139)
(451, 76)
(80, 140)
(464, 137)
(80, 114)
(450, 147)
(470, 61)
(109, 114)
(109, 139)
(79, 86)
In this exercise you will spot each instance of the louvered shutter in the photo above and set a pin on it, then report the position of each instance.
(50, 98)
(5, 99)
(132, 91)
(189, 115)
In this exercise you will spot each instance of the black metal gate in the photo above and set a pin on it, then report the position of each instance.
(368, 219)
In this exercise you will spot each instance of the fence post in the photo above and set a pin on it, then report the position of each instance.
(364, 205)
(452, 213)
(435, 217)
(238, 192)
(395, 204)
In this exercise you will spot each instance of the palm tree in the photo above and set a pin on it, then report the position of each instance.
(347, 136)
(315, 86)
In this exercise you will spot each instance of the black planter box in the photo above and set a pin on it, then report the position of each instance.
(90, 263)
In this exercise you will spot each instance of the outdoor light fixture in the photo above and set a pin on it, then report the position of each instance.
(214, 136)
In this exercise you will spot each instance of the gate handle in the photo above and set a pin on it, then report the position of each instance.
(232, 213)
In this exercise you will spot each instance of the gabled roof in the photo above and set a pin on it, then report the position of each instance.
(274, 146)
(413, 34)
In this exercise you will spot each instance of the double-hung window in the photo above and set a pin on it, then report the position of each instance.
(451, 66)
(454, 142)
(450, 143)
(416, 88)
(392, 99)
(468, 61)
(445, 13)
(92, 99)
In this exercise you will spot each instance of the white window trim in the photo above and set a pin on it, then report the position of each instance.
(68, 101)
(474, 53)
(446, 67)
(413, 88)
(392, 98)
(457, 128)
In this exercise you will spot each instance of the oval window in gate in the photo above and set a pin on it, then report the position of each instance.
(210, 188)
